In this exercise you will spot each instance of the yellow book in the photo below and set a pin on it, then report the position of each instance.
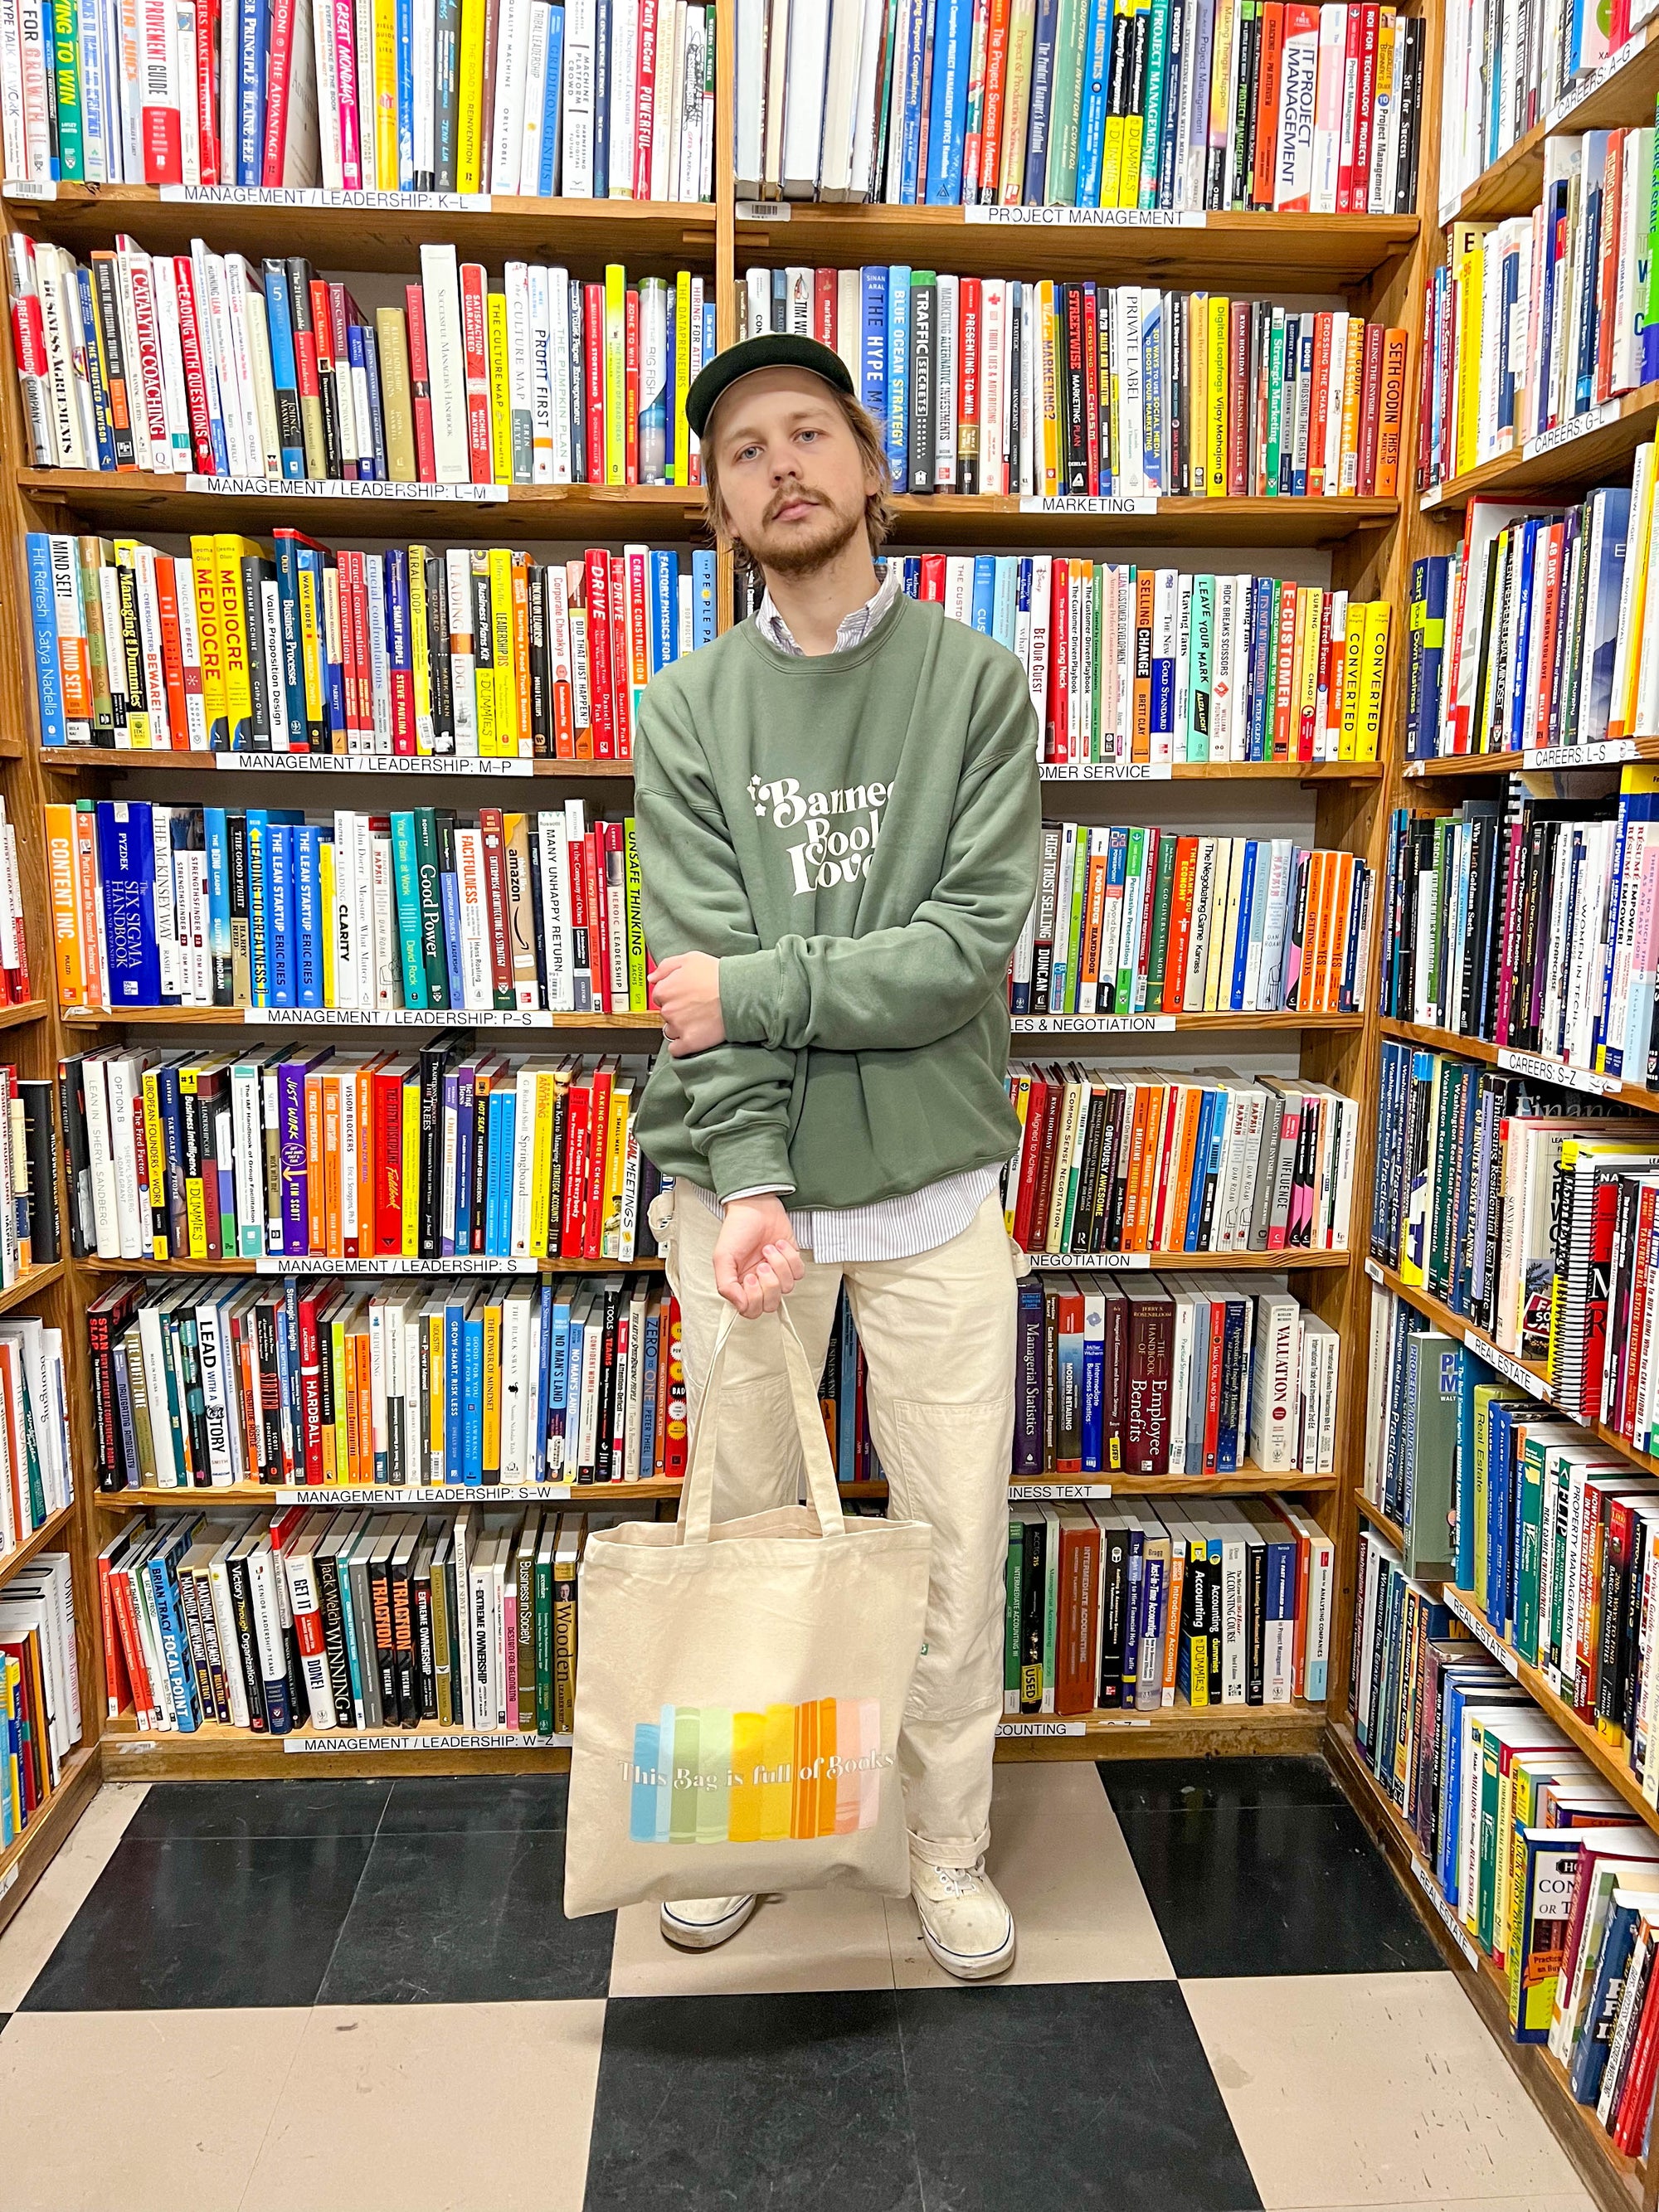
(1111, 163)
(1353, 658)
(1020, 1096)
(804, 1810)
(483, 676)
(155, 1151)
(422, 649)
(326, 884)
(1217, 385)
(1309, 615)
(682, 376)
(1049, 396)
(411, 1173)
(541, 1178)
(1621, 715)
(1467, 256)
(312, 653)
(492, 1385)
(1347, 457)
(1198, 385)
(500, 403)
(1128, 183)
(778, 1766)
(615, 371)
(615, 1163)
(747, 1752)
(469, 113)
(1373, 662)
(504, 736)
(233, 634)
(204, 575)
(195, 1210)
(386, 176)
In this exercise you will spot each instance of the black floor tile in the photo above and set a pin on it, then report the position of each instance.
(196, 1922)
(1274, 1889)
(174, 1810)
(477, 1804)
(1053, 2097)
(467, 1918)
(1189, 1785)
(725, 2104)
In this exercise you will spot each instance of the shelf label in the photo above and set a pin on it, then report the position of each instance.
(1597, 754)
(1543, 1067)
(313, 196)
(1094, 1024)
(446, 1740)
(762, 211)
(8, 1877)
(1454, 1926)
(440, 1493)
(1032, 1493)
(1571, 101)
(1012, 1727)
(1564, 434)
(356, 763)
(1479, 1629)
(1085, 218)
(1373, 1271)
(1525, 1377)
(1117, 1263)
(466, 1263)
(1107, 771)
(391, 1018)
(1076, 503)
(462, 495)
(27, 188)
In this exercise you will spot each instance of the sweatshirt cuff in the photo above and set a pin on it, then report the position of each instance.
(749, 1157)
(749, 983)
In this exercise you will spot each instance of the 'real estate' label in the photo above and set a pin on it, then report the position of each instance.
(1564, 434)
(1599, 753)
(445, 1739)
(315, 196)
(1106, 771)
(1094, 1024)
(392, 1018)
(1540, 1068)
(464, 494)
(466, 1263)
(1454, 1926)
(1483, 1348)
(1482, 1631)
(1034, 1493)
(1078, 503)
(363, 763)
(1086, 218)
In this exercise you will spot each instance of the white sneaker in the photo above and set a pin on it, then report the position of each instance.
(965, 1923)
(698, 1923)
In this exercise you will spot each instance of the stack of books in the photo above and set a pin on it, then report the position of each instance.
(1044, 390)
(209, 364)
(537, 97)
(1097, 104)
(400, 651)
(40, 1687)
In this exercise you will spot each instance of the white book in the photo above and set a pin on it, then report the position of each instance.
(440, 285)
(845, 76)
(804, 96)
(750, 93)
(534, 97)
(577, 101)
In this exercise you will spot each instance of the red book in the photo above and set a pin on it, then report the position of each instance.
(1266, 130)
(493, 839)
(1079, 1613)
(118, 1682)
(1360, 197)
(1625, 1411)
(1031, 1155)
(631, 386)
(596, 566)
(475, 348)
(577, 1127)
(645, 103)
(1371, 407)
(968, 386)
(389, 1155)
(593, 369)
(1350, 74)
(190, 345)
(173, 662)
(1319, 404)
(311, 1395)
(823, 305)
(1239, 409)
(1212, 1384)
(420, 383)
(598, 919)
(932, 577)
(207, 73)
(593, 1204)
(278, 70)
(621, 660)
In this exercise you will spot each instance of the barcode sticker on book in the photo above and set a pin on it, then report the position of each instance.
(1030, 1493)
(464, 494)
(469, 1263)
(1106, 771)
(367, 763)
(313, 196)
(1596, 754)
(1564, 434)
(1542, 1068)
(444, 1740)
(1086, 218)
(1094, 1024)
(1040, 1727)
(1426, 1882)
(1078, 503)
(392, 1018)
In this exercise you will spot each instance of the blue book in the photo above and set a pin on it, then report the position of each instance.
(1094, 1398)
(472, 1408)
(292, 633)
(952, 36)
(126, 863)
(1590, 2056)
(466, 1100)
(912, 64)
(910, 576)
(671, 324)
(1003, 604)
(1042, 94)
(1241, 944)
(454, 1317)
(602, 105)
(102, 422)
(898, 374)
(279, 917)
(556, 1359)
(48, 676)
(985, 586)
(553, 106)
(873, 340)
(449, 903)
(258, 821)
(663, 584)
(502, 1174)
(1210, 1104)
(710, 330)
(283, 374)
(1092, 133)
(170, 1624)
(702, 598)
(1232, 1361)
(846, 1398)
(406, 881)
(1212, 1155)
(308, 924)
(1154, 415)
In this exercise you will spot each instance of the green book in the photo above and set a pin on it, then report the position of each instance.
(636, 983)
(1527, 1577)
(1433, 1369)
(1158, 52)
(1066, 109)
(1487, 1835)
(1275, 401)
(1128, 945)
(545, 1626)
(1162, 892)
(1199, 682)
(1011, 1618)
(406, 884)
(1079, 907)
(431, 908)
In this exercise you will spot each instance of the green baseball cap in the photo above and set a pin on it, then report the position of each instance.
(783, 350)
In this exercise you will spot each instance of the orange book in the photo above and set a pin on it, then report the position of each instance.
(64, 889)
(1135, 1156)
(85, 886)
(329, 1082)
(1313, 886)
(1267, 136)
(365, 1406)
(1178, 1114)
(1079, 1586)
(826, 1788)
(1390, 425)
(1181, 924)
(1336, 931)
(1182, 1196)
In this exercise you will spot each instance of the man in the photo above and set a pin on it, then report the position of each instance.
(838, 812)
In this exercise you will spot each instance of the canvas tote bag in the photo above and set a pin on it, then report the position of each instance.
(739, 1687)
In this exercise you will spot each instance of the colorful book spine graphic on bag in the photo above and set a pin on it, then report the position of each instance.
(704, 1774)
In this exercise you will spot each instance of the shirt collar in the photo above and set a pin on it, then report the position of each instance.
(854, 628)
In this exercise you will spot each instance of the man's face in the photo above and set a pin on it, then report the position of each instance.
(792, 479)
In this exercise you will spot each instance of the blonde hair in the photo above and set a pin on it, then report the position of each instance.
(873, 451)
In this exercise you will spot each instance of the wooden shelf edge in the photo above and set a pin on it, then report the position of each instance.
(1615, 2181)
(324, 1265)
(1569, 457)
(55, 1525)
(1637, 1096)
(33, 1280)
(1379, 1519)
(1444, 767)
(24, 1861)
(281, 1018)
(75, 760)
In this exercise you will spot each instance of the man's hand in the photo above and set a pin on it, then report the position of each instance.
(757, 1264)
(685, 988)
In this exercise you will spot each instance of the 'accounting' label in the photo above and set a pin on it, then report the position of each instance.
(1085, 218)
(1076, 503)
(1011, 1727)
(1598, 754)
(363, 763)
(1107, 771)
(1541, 1068)
(314, 196)
(446, 1739)
(444, 495)
(1094, 1024)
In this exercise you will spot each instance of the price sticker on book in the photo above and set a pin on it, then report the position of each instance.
(1601, 752)
(1085, 218)
(1107, 771)
(315, 196)
(1454, 1927)
(1043, 1727)
(362, 764)
(1043, 1493)
(1482, 1634)
(452, 1263)
(444, 1740)
(1077, 503)
(447, 495)
(1093, 1024)
(1541, 1068)
(1565, 434)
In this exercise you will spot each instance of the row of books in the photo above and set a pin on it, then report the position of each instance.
(1537, 630)
(1504, 68)
(37, 1474)
(1121, 1606)
(1050, 390)
(463, 1384)
(1531, 924)
(421, 908)
(402, 652)
(1125, 1159)
(28, 1176)
(1131, 921)
(350, 1619)
(296, 1150)
(1533, 1853)
(39, 1688)
(524, 96)
(208, 363)
(1187, 1377)
(1096, 103)
(1534, 321)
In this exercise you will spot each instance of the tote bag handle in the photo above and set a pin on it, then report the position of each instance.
(697, 1500)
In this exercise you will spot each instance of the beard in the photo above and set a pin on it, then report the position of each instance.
(802, 548)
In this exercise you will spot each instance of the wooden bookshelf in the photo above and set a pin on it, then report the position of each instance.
(1561, 463)
(1459, 767)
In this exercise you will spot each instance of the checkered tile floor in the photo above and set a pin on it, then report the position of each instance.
(363, 1995)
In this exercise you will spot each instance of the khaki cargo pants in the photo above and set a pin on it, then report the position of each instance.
(937, 1333)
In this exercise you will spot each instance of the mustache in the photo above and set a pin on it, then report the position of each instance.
(792, 495)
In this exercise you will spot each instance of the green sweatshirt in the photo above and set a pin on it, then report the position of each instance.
(855, 837)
